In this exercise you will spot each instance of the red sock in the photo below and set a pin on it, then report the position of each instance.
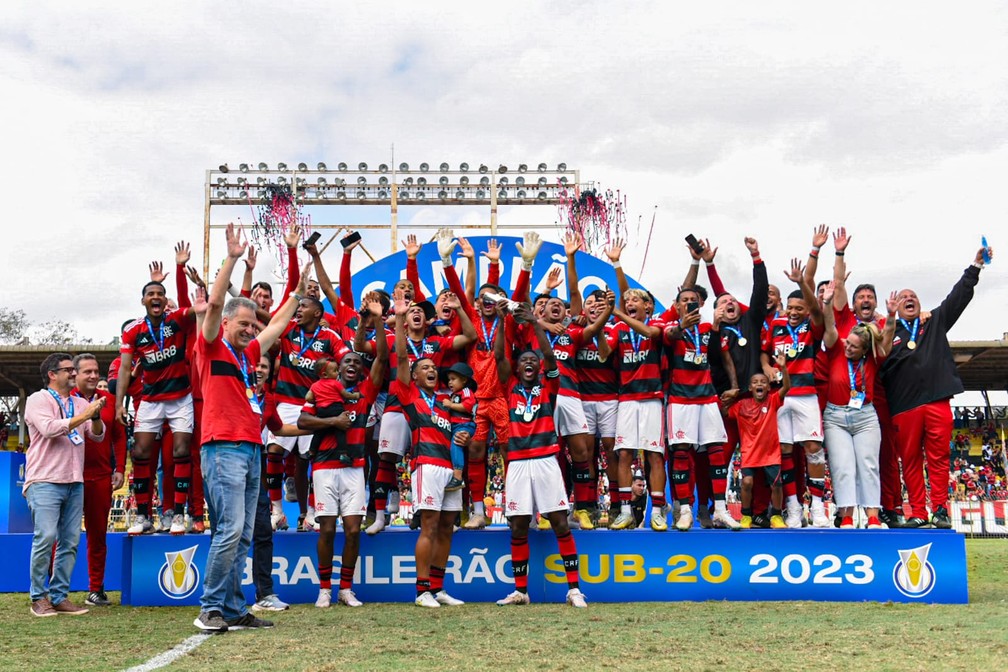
(658, 499)
(568, 552)
(718, 471)
(290, 464)
(274, 476)
(477, 479)
(385, 480)
(436, 578)
(681, 476)
(325, 576)
(183, 476)
(345, 577)
(520, 563)
(584, 490)
(142, 485)
(788, 475)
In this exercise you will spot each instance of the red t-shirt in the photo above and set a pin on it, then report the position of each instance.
(757, 425)
(838, 390)
(227, 411)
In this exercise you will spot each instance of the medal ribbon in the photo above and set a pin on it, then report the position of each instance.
(489, 339)
(853, 374)
(417, 353)
(913, 332)
(158, 342)
(242, 364)
(636, 339)
(305, 346)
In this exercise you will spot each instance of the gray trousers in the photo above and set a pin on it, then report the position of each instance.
(853, 437)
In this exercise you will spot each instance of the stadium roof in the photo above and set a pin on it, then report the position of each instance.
(983, 365)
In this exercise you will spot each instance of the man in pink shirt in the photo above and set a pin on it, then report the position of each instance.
(54, 480)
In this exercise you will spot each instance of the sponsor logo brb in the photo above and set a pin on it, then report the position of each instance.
(179, 577)
(913, 575)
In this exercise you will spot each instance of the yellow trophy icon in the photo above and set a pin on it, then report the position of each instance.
(178, 576)
(914, 575)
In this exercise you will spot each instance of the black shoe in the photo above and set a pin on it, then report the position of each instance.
(940, 518)
(211, 621)
(837, 521)
(300, 525)
(892, 518)
(914, 522)
(761, 520)
(97, 598)
(248, 622)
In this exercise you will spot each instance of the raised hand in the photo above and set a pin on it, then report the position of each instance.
(615, 249)
(529, 247)
(199, 300)
(402, 306)
(795, 274)
(349, 248)
(709, 252)
(502, 307)
(572, 243)
(553, 279)
(840, 239)
(610, 297)
(302, 286)
(493, 251)
(193, 274)
(752, 246)
(411, 245)
(182, 254)
(235, 247)
(445, 243)
(781, 360)
(157, 273)
(373, 305)
(828, 290)
(452, 301)
(979, 259)
(893, 304)
(466, 249)
(820, 235)
(690, 320)
(293, 235)
(250, 259)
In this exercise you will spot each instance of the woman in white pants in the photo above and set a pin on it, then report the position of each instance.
(850, 425)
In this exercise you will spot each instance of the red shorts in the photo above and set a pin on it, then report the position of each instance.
(492, 411)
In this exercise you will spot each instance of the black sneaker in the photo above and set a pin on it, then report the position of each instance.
(892, 518)
(300, 524)
(914, 522)
(247, 622)
(211, 621)
(97, 598)
(761, 520)
(837, 521)
(940, 518)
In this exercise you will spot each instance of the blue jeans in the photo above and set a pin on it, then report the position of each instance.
(262, 545)
(457, 451)
(231, 486)
(56, 509)
(853, 438)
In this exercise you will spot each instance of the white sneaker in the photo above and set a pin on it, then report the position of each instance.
(447, 600)
(819, 518)
(309, 521)
(684, 521)
(324, 598)
(576, 598)
(378, 525)
(723, 519)
(425, 599)
(177, 526)
(270, 603)
(166, 522)
(624, 521)
(659, 518)
(515, 597)
(392, 503)
(794, 516)
(278, 521)
(477, 521)
(141, 525)
(347, 597)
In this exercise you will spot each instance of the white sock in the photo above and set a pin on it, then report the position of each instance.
(719, 506)
(625, 508)
(379, 518)
(792, 500)
(478, 509)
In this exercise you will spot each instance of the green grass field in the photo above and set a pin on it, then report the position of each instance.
(647, 636)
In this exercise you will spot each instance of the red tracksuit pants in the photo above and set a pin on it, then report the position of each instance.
(923, 436)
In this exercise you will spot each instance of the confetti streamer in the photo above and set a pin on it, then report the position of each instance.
(275, 214)
(599, 216)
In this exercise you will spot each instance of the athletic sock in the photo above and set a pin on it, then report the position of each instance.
(718, 471)
(681, 476)
(585, 493)
(346, 576)
(141, 485)
(568, 552)
(747, 511)
(183, 477)
(274, 476)
(385, 480)
(520, 563)
(816, 488)
(624, 500)
(325, 576)
(422, 586)
(477, 472)
(436, 579)
(657, 499)
(787, 476)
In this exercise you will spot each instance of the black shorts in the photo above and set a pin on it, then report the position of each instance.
(771, 474)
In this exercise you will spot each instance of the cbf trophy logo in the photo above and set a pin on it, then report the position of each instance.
(913, 575)
(179, 577)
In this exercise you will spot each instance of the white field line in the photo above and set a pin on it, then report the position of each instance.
(171, 655)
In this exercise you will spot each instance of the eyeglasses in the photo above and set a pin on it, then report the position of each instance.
(68, 369)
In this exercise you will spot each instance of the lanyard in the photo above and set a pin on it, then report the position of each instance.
(694, 336)
(159, 342)
(739, 338)
(913, 332)
(242, 365)
(489, 338)
(636, 339)
(853, 374)
(428, 400)
(67, 410)
(794, 333)
(528, 394)
(553, 339)
(417, 353)
(305, 346)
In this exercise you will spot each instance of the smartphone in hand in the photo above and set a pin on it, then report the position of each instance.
(312, 239)
(694, 243)
(350, 240)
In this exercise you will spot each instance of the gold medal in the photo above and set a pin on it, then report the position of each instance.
(527, 416)
(742, 342)
(249, 393)
(792, 352)
(912, 345)
(853, 394)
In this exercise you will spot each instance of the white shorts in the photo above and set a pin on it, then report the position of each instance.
(695, 424)
(639, 426)
(339, 492)
(377, 408)
(534, 485)
(799, 420)
(601, 417)
(569, 416)
(151, 415)
(429, 482)
(289, 414)
(394, 433)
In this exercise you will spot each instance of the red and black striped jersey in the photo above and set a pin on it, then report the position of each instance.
(433, 348)
(299, 350)
(565, 347)
(329, 391)
(530, 413)
(161, 352)
(465, 397)
(801, 344)
(431, 427)
(640, 376)
(597, 380)
(690, 376)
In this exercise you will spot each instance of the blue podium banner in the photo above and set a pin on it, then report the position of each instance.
(14, 513)
(593, 273)
(629, 566)
(14, 565)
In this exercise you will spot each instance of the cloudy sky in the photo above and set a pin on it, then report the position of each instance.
(750, 118)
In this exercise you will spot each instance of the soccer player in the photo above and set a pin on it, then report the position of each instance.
(431, 435)
(920, 377)
(338, 466)
(158, 341)
(756, 418)
(533, 481)
(798, 336)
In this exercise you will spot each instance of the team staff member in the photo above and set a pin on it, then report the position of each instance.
(104, 469)
(227, 353)
(533, 481)
(58, 423)
(920, 377)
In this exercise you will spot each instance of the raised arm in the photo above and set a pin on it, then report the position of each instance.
(381, 360)
(819, 238)
(412, 247)
(830, 335)
(325, 284)
(219, 293)
(572, 243)
(345, 277)
(402, 357)
(962, 293)
(465, 250)
(785, 376)
(268, 336)
(760, 282)
(708, 254)
(840, 242)
(291, 240)
(613, 252)
(801, 278)
(503, 363)
(181, 285)
(250, 264)
(492, 254)
(468, 335)
(528, 249)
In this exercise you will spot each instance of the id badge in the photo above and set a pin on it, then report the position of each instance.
(689, 357)
(75, 438)
(255, 406)
(856, 401)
